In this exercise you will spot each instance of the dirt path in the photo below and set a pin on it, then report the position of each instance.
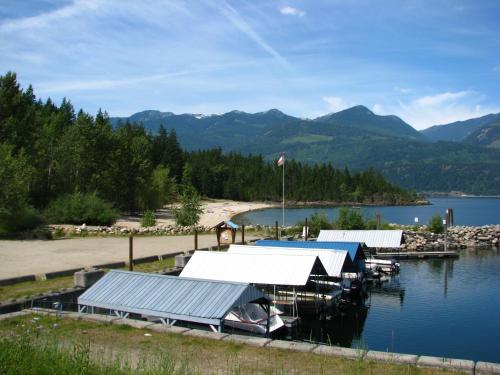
(18, 258)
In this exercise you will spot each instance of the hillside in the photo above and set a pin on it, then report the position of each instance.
(361, 118)
(355, 137)
(488, 136)
(459, 130)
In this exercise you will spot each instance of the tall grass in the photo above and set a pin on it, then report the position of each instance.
(28, 355)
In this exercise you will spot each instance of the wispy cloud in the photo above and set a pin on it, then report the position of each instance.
(240, 23)
(443, 98)
(443, 108)
(403, 90)
(378, 109)
(76, 8)
(496, 68)
(290, 11)
(335, 103)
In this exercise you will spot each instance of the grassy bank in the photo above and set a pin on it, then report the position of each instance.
(49, 345)
(32, 288)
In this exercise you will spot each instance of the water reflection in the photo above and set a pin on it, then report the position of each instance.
(445, 307)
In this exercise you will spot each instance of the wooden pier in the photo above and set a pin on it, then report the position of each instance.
(418, 255)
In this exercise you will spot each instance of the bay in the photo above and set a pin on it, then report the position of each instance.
(467, 211)
(445, 308)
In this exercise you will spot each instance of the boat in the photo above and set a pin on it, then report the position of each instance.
(252, 317)
(382, 265)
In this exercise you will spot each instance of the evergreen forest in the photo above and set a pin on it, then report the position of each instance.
(52, 157)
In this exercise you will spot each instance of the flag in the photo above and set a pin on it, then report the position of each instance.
(281, 160)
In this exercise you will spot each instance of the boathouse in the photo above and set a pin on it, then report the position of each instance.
(168, 298)
(261, 269)
(335, 262)
(386, 239)
(355, 249)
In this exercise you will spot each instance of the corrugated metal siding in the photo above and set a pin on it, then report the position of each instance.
(251, 268)
(372, 238)
(351, 247)
(204, 301)
(332, 260)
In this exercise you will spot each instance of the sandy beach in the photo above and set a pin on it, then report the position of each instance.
(33, 257)
(214, 211)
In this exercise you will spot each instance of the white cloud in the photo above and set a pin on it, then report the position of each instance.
(239, 22)
(442, 108)
(335, 103)
(496, 68)
(76, 8)
(378, 109)
(290, 11)
(440, 99)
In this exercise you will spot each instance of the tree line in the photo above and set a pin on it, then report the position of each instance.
(53, 156)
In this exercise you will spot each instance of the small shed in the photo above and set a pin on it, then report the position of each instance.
(226, 232)
(169, 298)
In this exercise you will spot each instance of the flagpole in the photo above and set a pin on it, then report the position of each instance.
(283, 203)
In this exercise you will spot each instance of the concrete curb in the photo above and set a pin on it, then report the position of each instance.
(16, 280)
(160, 328)
(487, 368)
(451, 364)
(338, 351)
(404, 359)
(447, 363)
(292, 345)
(14, 314)
(247, 340)
(205, 334)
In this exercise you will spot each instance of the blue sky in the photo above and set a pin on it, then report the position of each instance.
(429, 62)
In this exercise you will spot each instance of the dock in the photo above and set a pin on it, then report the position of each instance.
(418, 255)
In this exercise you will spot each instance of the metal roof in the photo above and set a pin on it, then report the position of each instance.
(172, 297)
(372, 238)
(253, 268)
(333, 261)
(353, 248)
(229, 223)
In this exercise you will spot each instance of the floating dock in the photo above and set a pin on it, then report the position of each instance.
(417, 255)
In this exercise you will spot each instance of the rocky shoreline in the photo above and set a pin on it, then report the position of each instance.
(459, 237)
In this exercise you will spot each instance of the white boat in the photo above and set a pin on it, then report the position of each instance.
(382, 265)
(252, 317)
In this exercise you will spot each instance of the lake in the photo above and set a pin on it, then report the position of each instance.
(467, 211)
(436, 307)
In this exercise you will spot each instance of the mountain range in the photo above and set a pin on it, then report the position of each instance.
(462, 156)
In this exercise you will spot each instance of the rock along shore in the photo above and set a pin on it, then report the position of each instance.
(458, 237)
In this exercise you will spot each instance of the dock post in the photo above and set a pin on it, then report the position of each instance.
(196, 239)
(276, 229)
(243, 234)
(131, 253)
(307, 230)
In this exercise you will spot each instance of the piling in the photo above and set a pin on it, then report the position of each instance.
(307, 230)
(196, 239)
(243, 234)
(131, 253)
(276, 230)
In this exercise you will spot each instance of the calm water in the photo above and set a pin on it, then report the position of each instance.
(467, 211)
(434, 307)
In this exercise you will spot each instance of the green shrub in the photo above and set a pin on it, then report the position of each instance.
(25, 219)
(350, 218)
(148, 219)
(80, 208)
(189, 212)
(436, 224)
